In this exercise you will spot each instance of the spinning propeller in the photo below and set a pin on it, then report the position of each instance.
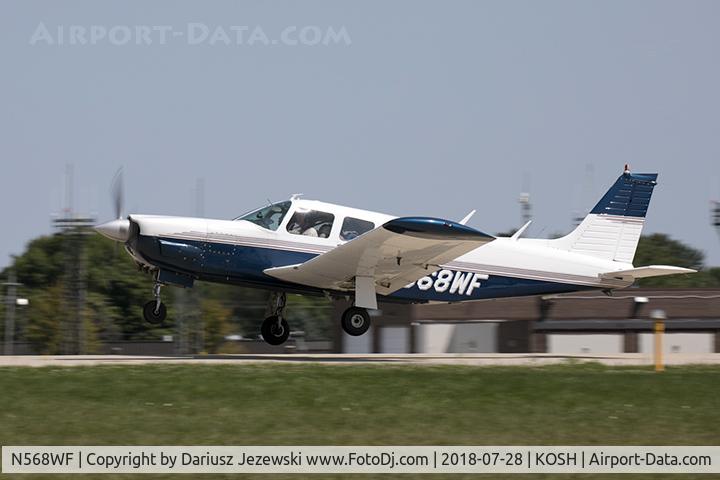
(118, 229)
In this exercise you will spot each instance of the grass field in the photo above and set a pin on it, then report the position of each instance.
(358, 404)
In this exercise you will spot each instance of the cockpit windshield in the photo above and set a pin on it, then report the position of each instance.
(268, 217)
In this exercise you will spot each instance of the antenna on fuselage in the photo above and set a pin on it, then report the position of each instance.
(467, 217)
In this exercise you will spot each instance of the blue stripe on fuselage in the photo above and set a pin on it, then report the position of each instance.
(457, 286)
(244, 265)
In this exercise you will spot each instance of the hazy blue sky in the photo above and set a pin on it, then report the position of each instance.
(430, 108)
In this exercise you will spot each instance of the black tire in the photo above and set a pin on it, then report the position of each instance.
(355, 321)
(273, 333)
(151, 316)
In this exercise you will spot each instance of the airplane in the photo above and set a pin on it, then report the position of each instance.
(301, 246)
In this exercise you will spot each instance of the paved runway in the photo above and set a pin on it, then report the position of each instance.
(476, 359)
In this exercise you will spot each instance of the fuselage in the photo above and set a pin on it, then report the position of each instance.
(238, 251)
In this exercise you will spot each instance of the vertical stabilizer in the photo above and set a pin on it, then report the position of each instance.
(612, 229)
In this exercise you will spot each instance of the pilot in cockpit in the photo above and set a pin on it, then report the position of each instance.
(301, 224)
(310, 224)
(310, 231)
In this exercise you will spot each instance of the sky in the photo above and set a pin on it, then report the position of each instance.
(405, 107)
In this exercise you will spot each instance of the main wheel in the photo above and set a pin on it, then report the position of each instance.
(273, 332)
(153, 317)
(355, 321)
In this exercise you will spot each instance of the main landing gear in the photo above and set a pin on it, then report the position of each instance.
(154, 311)
(355, 321)
(275, 329)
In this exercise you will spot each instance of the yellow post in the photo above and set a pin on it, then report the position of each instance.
(659, 317)
(659, 329)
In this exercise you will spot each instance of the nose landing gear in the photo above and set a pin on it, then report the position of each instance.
(275, 329)
(154, 311)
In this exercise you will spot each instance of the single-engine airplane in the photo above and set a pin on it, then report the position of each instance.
(315, 248)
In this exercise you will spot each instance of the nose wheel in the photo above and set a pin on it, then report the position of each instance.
(275, 330)
(355, 321)
(155, 311)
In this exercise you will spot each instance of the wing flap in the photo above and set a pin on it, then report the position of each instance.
(394, 254)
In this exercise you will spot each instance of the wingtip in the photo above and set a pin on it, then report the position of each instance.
(434, 228)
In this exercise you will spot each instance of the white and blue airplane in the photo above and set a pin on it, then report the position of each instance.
(310, 247)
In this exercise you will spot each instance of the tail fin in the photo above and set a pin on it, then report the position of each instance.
(612, 229)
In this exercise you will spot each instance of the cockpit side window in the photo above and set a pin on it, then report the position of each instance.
(354, 227)
(269, 217)
(311, 223)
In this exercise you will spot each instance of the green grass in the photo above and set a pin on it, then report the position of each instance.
(301, 404)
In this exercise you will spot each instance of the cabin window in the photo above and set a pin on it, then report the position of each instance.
(354, 227)
(269, 217)
(311, 223)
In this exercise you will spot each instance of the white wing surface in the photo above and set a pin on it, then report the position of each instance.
(385, 259)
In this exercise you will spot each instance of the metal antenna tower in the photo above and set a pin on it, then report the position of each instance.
(524, 200)
(74, 229)
(189, 324)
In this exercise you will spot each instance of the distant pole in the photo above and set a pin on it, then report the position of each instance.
(587, 195)
(658, 317)
(525, 208)
(10, 301)
(524, 200)
(193, 296)
(69, 187)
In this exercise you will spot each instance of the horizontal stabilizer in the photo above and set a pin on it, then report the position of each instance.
(645, 272)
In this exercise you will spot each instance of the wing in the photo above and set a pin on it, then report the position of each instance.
(387, 258)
